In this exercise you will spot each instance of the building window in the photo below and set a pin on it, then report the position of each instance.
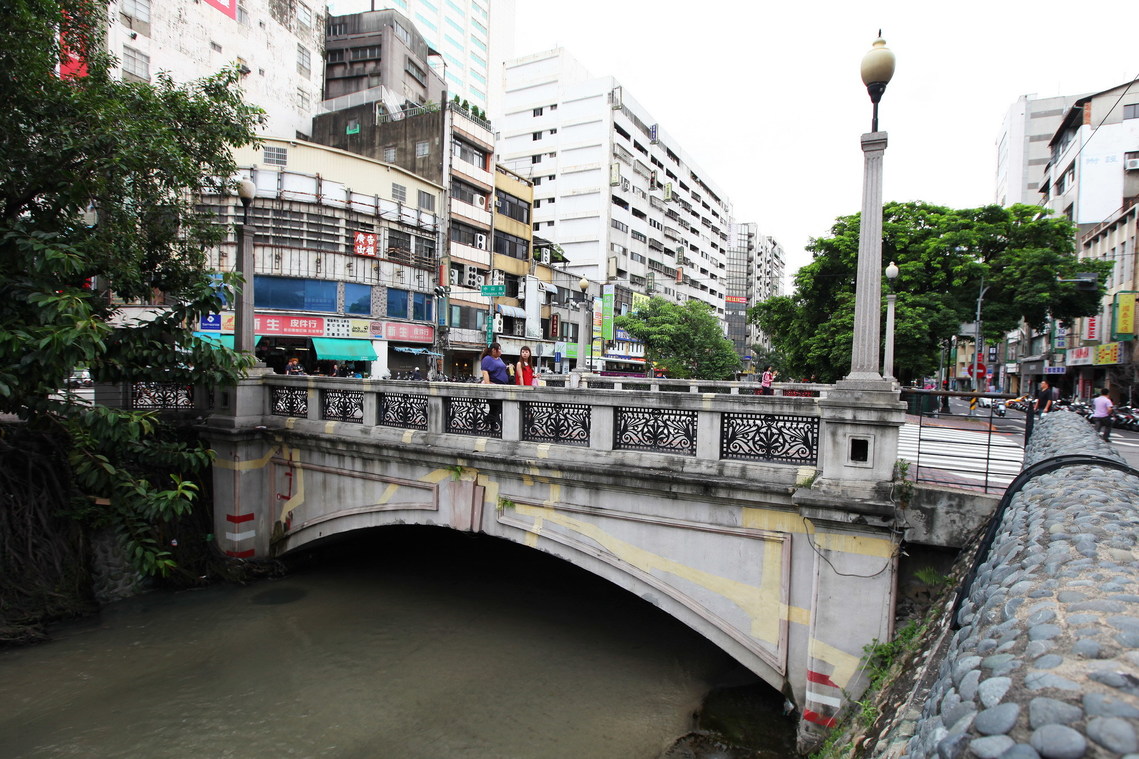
(300, 294)
(538, 111)
(304, 61)
(337, 30)
(402, 34)
(366, 53)
(515, 208)
(242, 15)
(397, 303)
(336, 56)
(426, 201)
(509, 245)
(399, 193)
(136, 63)
(357, 299)
(389, 153)
(415, 72)
(536, 136)
(215, 46)
(302, 99)
(276, 156)
(304, 15)
(1131, 111)
(139, 10)
(422, 148)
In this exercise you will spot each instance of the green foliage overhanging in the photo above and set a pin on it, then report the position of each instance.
(684, 340)
(135, 153)
(1021, 252)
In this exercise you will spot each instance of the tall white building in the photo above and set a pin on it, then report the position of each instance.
(1022, 146)
(611, 187)
(279, 44)
(460, 31)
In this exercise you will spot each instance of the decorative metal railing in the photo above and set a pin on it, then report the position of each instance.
(154, 396)
(720, 421)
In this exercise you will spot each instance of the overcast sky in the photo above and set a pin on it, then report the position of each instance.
(766, 97)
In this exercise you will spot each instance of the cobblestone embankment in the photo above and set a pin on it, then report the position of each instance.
(1046, 660)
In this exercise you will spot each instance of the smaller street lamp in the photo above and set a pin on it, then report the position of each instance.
(586, 327)
(891, 297)
(243, 318)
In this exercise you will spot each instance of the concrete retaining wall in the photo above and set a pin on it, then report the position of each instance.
(1046, 661)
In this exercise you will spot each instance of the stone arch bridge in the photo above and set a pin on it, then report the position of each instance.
(765, 523)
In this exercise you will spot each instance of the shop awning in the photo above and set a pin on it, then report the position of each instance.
(339, 348)
(514, 311)
(416, 351)
(548, 287)
(216, 338)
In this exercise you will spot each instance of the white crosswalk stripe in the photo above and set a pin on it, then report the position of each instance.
(960, 456)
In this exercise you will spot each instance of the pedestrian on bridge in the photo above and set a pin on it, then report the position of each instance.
(524, 369)
(765, 381)
(494, 371)
(1101, 414)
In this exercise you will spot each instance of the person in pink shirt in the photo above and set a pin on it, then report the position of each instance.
(1101, 414)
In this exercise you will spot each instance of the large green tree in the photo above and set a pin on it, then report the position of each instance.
(685, 340)
(97, 209)
(1021, 254)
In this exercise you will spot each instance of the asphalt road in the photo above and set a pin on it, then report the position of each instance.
(1125, 441)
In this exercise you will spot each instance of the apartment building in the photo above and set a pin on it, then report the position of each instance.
(1023, 146)
(1092, 177)
(345, 267)
(277, 44)
(620, 197)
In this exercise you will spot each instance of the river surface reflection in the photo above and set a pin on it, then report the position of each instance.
(402, 643)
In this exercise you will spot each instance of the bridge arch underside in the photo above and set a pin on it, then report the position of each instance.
(724, 550)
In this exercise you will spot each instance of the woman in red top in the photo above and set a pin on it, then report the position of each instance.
(524, 370)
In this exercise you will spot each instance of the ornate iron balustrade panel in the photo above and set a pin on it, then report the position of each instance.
(403, 410)
(473, 416)
(602, 384)
(661, 430)
(636, 386)
(342, 405)
(289, 401)
(561, 423)
(161, 395)
(782, 438)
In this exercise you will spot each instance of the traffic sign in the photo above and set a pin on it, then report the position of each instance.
(493, 290)
(980, 369)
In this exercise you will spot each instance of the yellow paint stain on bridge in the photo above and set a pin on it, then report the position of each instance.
(783, 521)
(761, 604)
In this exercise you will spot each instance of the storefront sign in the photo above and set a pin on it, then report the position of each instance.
(1124, 327)
(410, 333)
(1080, 356)
(364, 244)
(301, 326)
(1107, 354)
(1091, 328)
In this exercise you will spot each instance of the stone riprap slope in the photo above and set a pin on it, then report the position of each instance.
(1046, 661)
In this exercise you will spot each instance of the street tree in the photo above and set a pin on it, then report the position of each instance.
(97, 209)
(684, 340)
(1019, 255)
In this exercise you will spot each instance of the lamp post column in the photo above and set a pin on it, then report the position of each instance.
(243, 336)
(586, 333)
(868, 289)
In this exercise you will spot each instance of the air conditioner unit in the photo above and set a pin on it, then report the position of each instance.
(498, 277)
(480, 242)
(519, 327)
(498, 322)
(472, 276)
(1131, 164)
(480, 201)
(480, 280)
(545, 255)
(456, 276)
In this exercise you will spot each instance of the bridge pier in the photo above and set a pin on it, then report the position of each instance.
(749, 518)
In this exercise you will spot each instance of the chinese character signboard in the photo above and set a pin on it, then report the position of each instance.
(364, 244)
(1107, 354)
(735, 302)
(1080, 356)
(1124, 327)
(608, 295)
(300, 326)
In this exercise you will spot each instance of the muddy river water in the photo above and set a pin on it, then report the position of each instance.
(406, 643)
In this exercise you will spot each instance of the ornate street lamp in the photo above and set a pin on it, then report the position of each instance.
(243, 338)
(877, 70)
(888, 360)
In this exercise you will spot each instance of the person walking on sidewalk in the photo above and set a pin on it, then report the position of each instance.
(1101, 414)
